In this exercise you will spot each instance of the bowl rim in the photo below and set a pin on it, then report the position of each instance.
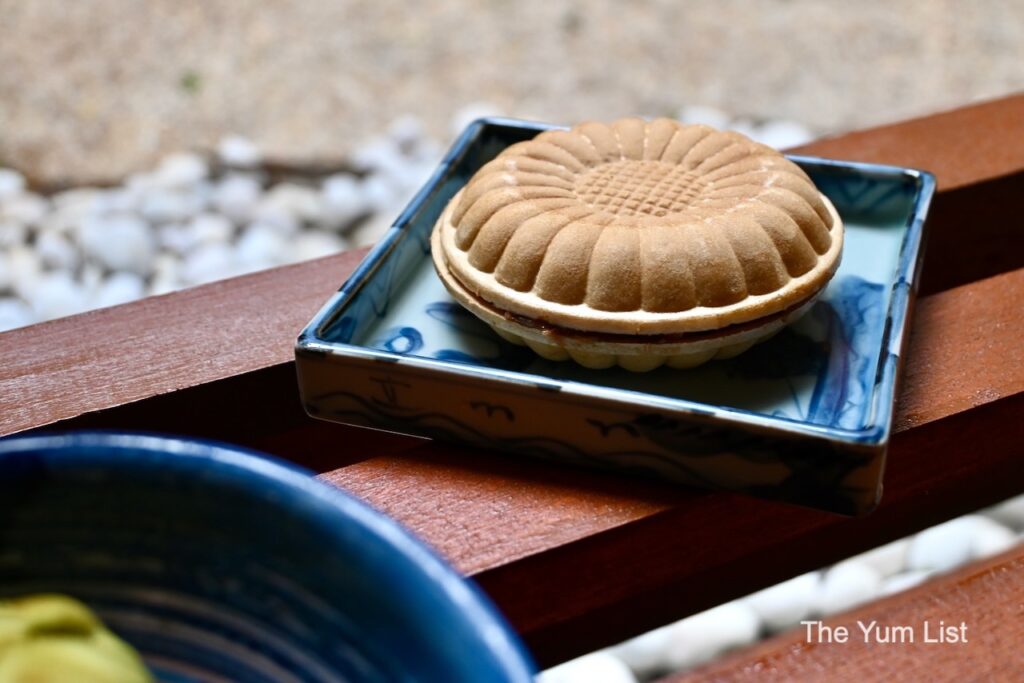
(267, 473)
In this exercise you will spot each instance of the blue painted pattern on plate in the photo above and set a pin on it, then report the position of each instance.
(803, 416)
(820, 371)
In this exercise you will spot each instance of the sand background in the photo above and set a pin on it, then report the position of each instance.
(95, 89)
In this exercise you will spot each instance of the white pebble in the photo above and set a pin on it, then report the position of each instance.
(343, 201)
(5, 271)
(429, 151)
(847, 585)
(120, 242)
(785, 604)
(380, 194)
(990, 538)
(301, 202)
(379, 156)
(12, 233)
(203, 193)
(236, 195)
(175, 237)
(179, 171)
(261, 246)
(708, 116)
(140, 182)
(90, 276)
(56, 295)
(165, 206)
(234, 150)
(410, 180)
(277, 218)
(61, 221)
(121, 200)
(210, 227)
(56, 251)
(14, 313)
(208, 263)
(311, 244)
(904, 581)
(597, 667)
(83, 198)
(888, 559)
(647, 654)
(70, 207)
(943, 547)
(744, 127)
(159, 287)
(166, 269)
(782, 134)
(703, 636)
(370, 230)
(1009, 513)
(11, 183)
(27, 209)
(24, 269)
(119, 288)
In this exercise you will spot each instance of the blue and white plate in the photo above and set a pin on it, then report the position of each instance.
(804, 417)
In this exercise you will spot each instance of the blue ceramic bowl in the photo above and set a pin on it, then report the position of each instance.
(221, 565)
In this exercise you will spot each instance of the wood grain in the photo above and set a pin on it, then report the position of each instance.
(109, 357)
(965, 350)
(970, 234)
(961, 147)
(988, 597)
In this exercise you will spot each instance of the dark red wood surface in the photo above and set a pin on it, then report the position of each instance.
(987, 598)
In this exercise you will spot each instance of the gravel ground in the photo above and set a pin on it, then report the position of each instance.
(95, 90)
(196, 218)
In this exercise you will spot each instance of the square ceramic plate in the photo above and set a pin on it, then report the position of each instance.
(804, 417)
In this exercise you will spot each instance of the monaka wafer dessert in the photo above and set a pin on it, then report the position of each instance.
(638, 244)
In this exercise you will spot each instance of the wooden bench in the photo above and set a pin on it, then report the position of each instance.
(580, 560)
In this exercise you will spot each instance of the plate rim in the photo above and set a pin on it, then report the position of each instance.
(875, 433)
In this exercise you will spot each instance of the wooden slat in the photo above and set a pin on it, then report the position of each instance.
(987, 597)
(970, 234)
(258, 409)
(961, 147)
(963, 352)
(576, 559)
(112, 356)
